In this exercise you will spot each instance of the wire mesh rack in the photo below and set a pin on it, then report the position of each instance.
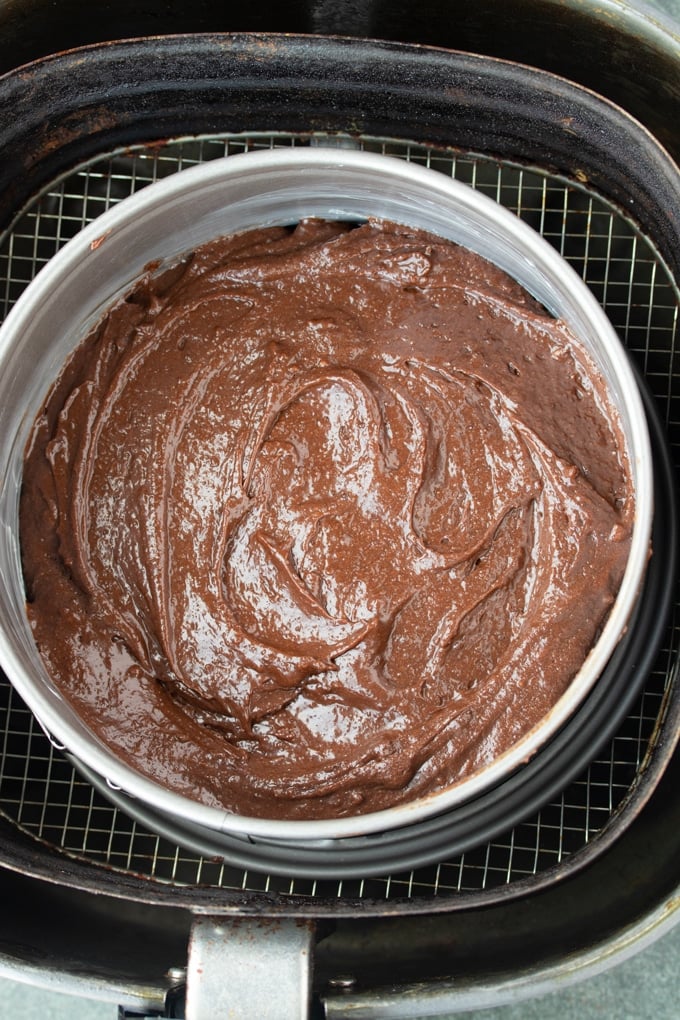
(45, 797)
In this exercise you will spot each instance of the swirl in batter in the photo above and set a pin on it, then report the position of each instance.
(322, 519)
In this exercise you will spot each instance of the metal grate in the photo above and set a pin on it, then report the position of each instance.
(39, 789)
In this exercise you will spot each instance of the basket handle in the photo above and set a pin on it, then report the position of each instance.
(249, 967)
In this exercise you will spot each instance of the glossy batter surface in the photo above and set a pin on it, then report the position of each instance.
(322, 519)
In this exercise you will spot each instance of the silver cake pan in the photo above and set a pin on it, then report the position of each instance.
(229, 195)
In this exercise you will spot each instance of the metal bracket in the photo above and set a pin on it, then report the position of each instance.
(244, 967)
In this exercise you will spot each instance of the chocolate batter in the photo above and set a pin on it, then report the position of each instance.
(322, 519)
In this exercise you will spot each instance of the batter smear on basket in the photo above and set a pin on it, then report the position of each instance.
(322, 519)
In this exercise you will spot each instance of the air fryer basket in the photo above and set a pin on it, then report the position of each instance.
(599, 188)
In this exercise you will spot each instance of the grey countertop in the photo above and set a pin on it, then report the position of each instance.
(670, 7)
(647, 985)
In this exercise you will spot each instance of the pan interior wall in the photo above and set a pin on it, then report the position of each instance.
(39, 790)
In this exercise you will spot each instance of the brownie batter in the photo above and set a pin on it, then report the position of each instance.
(322, 519)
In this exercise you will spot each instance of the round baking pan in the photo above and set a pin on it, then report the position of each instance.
(261, 189)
